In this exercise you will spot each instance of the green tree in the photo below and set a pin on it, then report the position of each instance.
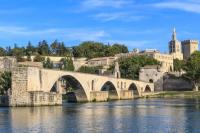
(48, 63)
(92, 49)
(55, 48)
(130, 67)
(30, 49)
(2, 51)
(178, 65)
(64, 51)
(90, 70)
(19, 53)
(43, 48)
(5, 82)
(8, 51)
(116, 49)
(192, 68)
(67, 64)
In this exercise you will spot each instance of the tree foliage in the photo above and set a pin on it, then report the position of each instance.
(90, 70)
(2, 51)
(130, 67)
(92, 49)
(178, 65)
(89, 49)
(67, 64)
(48, 63)
(19, 53)
(192, 68)
(5, 82)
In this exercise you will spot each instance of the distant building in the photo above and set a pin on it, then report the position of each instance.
(79, 62)
(175, 47)
(106, 62)
(150, 51)
(188, 47)
(166, 60)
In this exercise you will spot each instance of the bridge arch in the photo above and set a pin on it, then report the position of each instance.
(147, 89)
(112, 91)
(73, 88)
(134, 88)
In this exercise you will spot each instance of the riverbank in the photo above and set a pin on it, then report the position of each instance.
(175, 94)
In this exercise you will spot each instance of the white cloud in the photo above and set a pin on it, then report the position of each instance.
(53, 33)
(122, 16)
(189, 6)
(91, 4)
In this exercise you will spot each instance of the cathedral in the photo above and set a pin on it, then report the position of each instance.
(182, 50)
(175, 47)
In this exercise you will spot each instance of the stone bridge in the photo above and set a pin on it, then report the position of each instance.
(33, 86)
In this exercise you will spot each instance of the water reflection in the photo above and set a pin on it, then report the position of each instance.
(138, 116)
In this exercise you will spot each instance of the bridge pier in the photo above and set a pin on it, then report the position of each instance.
(126, 94)
(98, 96)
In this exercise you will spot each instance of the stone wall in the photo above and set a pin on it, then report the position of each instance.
(152, 74)
(43, 98)
(7, 63)
(126, 94)
(176, 84)
(99, 96)
(19, 94)
(22, 94)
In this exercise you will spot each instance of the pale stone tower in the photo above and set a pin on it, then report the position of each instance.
(175, 47)
(117, 73)
(188, 47)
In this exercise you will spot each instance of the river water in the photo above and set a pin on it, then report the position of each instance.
(136, 116)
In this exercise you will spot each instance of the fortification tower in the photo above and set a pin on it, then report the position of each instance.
(188, 47)
(175, 47)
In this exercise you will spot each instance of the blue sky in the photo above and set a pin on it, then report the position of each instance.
(135, 23)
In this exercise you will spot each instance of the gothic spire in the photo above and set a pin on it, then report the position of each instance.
(174, 34)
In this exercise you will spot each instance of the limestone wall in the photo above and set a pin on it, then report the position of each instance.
(126, 94)
(26, 89)
(99, 96)
(19, 93)
(172, 84)
(42, 98)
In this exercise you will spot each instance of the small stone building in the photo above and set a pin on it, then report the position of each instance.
(152, 74)
(103, 61)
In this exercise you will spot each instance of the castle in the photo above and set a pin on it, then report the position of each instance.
(177, 50)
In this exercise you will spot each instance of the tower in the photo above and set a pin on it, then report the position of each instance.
(175, 47)
(117, 73)
(188, 47)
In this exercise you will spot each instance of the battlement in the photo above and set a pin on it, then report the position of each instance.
(189, 41)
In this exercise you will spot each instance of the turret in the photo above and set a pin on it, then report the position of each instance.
(117, 73)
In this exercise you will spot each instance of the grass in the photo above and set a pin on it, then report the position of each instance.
(175, 94)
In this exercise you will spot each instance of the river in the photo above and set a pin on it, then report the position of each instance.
(135, 116)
